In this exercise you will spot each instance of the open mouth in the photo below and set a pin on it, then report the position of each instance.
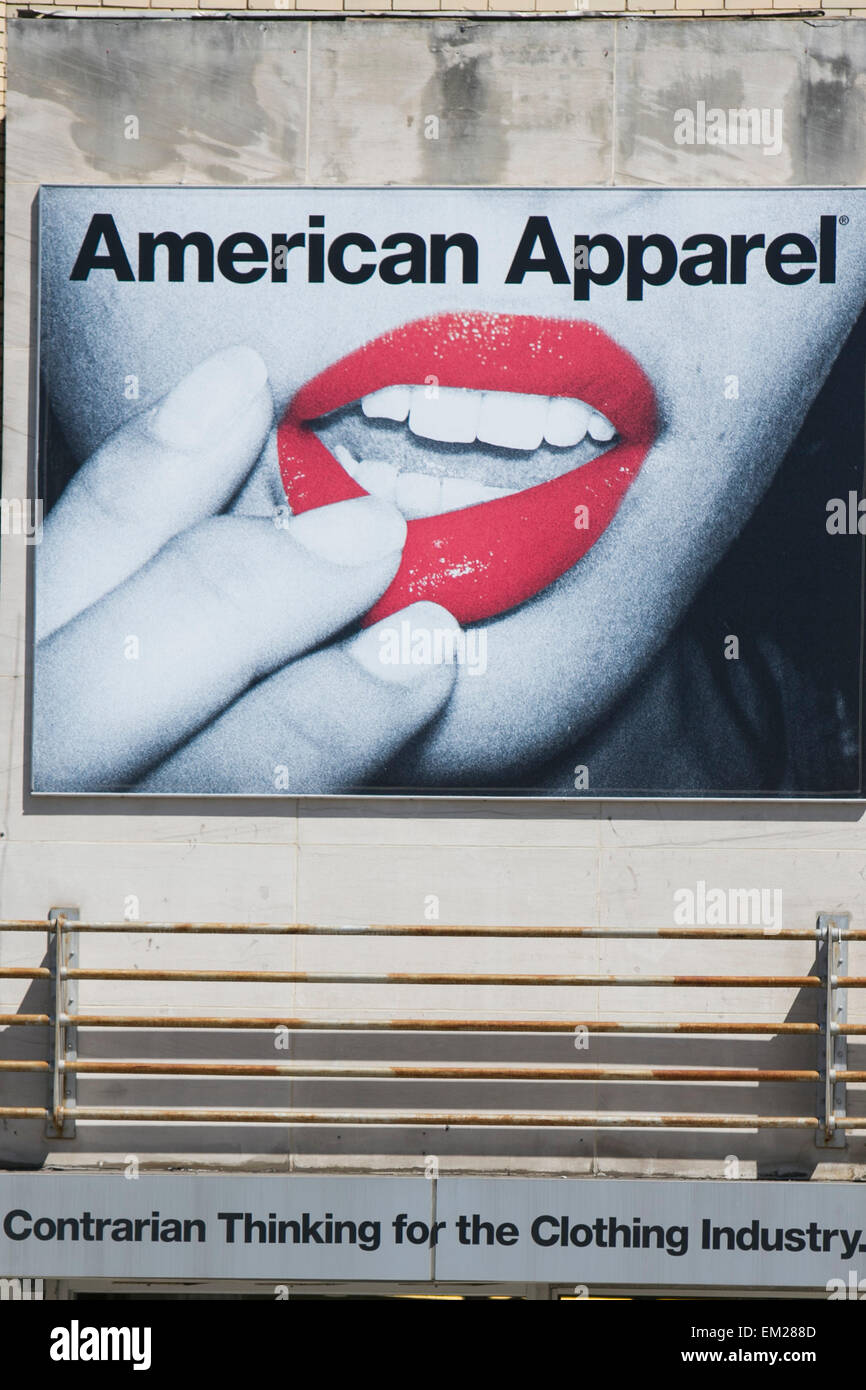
(507, 441)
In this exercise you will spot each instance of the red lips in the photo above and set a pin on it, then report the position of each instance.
(484, 559)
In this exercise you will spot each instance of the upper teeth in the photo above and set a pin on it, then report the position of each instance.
(507, 418)
(416, 494)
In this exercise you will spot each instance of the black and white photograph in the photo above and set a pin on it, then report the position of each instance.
(471, 492)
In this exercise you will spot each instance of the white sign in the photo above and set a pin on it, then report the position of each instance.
(578, 1231)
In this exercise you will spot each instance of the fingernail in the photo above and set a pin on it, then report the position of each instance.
(408, 645)
(351, 533)
(195, 413)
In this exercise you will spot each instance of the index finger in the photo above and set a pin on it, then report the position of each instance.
(167, 469)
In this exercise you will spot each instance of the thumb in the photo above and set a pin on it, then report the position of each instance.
(329, 722)
(168, 468)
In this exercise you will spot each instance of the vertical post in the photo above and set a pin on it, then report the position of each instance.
(60, 1123)
(833, 1045)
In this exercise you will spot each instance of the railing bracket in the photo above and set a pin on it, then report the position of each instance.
(63, 1044)
(833, 928)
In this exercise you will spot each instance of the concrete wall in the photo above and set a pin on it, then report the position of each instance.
(540, 103)
(578, 9)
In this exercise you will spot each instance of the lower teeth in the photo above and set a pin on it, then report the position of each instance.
(416, 494)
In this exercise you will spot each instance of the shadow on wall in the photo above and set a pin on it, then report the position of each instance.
(729, 1153)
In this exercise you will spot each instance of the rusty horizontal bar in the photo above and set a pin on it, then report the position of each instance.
(25, 972)
(24, 1066)
(311, 977)
(514, 1119)
(435, 1071)
(440, 929)
(24, 1020)
(421, 1025)
(28, 924)
(452, 1118)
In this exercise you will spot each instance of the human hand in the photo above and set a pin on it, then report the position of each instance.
(174, 642)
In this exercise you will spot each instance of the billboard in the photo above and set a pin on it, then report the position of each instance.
(543, 493)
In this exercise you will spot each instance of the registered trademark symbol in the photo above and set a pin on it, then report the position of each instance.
(844, 220)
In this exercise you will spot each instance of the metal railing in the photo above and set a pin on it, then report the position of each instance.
(62, 1065)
